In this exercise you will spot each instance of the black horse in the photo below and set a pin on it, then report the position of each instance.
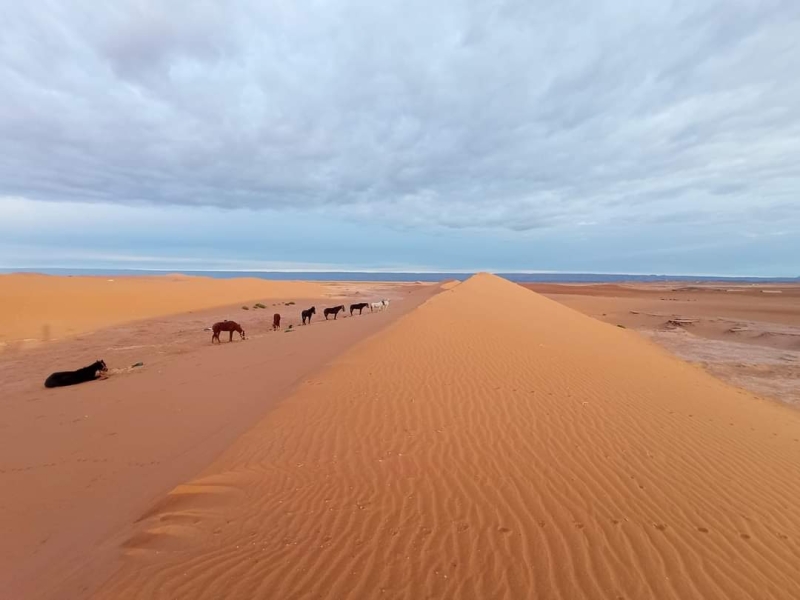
(359, 307)
(306, 314)
(89, 373)
(333, 311)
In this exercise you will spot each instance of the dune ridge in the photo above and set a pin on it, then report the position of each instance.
(490, 444)
(42, 307)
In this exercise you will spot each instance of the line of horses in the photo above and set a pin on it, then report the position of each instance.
(233, 327)
(99, 369)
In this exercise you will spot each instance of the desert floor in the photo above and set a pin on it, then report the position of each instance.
(748, 335)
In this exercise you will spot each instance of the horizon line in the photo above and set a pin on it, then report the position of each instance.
(403, 271)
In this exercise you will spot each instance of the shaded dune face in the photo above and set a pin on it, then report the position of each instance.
(490, 444)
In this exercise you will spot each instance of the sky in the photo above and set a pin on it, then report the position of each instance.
(622, 136)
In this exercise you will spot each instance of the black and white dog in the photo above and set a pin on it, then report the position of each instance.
(89, 373)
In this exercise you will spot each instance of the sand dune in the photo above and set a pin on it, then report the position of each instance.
(490, 444)
(78, 465)
(43, 307)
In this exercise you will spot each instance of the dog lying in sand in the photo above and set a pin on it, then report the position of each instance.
(62, 378)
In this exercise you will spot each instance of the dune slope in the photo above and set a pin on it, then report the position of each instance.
(491, 444)
(43, 307)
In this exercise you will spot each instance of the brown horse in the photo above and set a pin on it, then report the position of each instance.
(229, 326)
(276, 322)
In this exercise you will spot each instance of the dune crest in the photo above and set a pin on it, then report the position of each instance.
(490, 444)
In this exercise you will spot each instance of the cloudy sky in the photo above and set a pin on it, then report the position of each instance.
(606, 135)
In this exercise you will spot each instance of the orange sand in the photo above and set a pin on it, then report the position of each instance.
(449, 285)
(79, 465)
(42, 307)
(490, 444)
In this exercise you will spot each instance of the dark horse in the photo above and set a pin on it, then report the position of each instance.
(229, 326)
(89, 373)
(359, 307)
(276, 322)
(306, 314)
(333, 311)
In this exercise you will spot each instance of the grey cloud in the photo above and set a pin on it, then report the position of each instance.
(517, 115)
